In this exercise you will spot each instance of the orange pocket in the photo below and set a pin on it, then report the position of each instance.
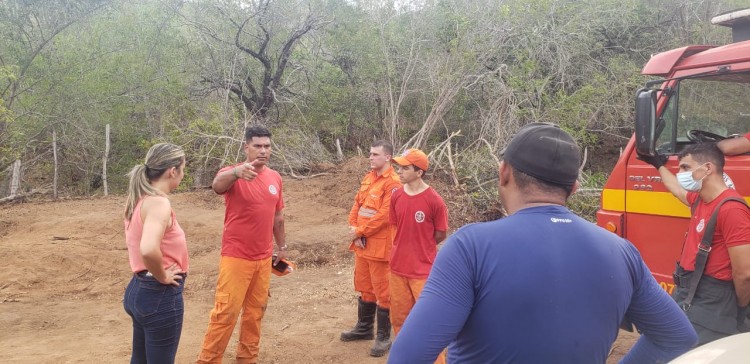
(221, 304)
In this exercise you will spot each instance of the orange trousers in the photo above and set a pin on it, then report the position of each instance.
(242, 286)
(404, 294)
(371, 280)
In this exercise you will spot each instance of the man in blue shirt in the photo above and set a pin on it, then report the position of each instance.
(541, 285)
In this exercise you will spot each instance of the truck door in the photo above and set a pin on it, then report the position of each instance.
(698, 110)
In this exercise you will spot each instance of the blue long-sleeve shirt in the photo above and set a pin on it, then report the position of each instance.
(539, 286)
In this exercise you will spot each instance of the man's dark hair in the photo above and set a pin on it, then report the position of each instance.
(256, 131)
(417, 169)
(387, 146)
(530, 184)
(704, 153)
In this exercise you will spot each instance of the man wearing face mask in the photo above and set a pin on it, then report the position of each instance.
(542, 274)
(715, 301)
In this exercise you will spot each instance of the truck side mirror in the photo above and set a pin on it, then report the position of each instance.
(645, 122)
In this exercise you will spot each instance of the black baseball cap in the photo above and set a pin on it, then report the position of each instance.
(545, 152)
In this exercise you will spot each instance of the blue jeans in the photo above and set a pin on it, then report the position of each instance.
(157, 312)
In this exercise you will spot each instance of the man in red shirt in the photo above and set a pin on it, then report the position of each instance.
(253, 220)
(421, 220)
(371, 238)
(717, 307)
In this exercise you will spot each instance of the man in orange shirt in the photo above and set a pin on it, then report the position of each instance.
(371, 240)
(253, 220)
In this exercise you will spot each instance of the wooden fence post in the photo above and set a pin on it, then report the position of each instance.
(104, 162)
(15, 179)
(54, 154)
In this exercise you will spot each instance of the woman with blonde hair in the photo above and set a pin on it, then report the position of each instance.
(158, 255)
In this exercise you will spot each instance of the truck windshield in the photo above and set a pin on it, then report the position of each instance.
(706, 108)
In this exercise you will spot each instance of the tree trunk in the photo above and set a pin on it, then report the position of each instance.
(339, 153)
(198, 177)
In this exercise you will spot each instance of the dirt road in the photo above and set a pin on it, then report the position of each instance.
(65, 267)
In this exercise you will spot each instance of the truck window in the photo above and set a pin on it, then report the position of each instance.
(665, 141)
(717, 105)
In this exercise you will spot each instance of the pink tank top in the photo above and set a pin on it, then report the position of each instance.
(173, 244)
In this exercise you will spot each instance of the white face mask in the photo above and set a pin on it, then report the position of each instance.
(687, 181)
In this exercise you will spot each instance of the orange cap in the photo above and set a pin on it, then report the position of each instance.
(414, 157)
(290, 267)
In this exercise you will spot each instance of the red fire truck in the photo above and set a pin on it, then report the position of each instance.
(700, 93)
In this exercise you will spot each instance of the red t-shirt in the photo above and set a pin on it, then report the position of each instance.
(732, 229)
(250, 210)
(416, 218)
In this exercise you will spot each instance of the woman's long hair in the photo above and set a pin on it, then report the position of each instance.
(160, 158)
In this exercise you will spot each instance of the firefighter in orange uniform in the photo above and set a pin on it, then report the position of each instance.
(371, 240)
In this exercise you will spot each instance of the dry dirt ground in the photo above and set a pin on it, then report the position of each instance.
(65, 267)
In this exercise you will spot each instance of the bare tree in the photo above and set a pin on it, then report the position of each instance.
(399, 71)
(262, 35)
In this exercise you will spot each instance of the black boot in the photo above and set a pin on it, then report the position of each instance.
(363, 330)
(383, 341)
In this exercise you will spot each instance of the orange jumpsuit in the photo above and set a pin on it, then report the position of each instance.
(369, 215)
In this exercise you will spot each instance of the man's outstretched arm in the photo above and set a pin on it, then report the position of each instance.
(667, 177)
(735, 146)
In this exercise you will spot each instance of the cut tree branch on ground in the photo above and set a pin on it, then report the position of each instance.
(296, 176)
(22, 196)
